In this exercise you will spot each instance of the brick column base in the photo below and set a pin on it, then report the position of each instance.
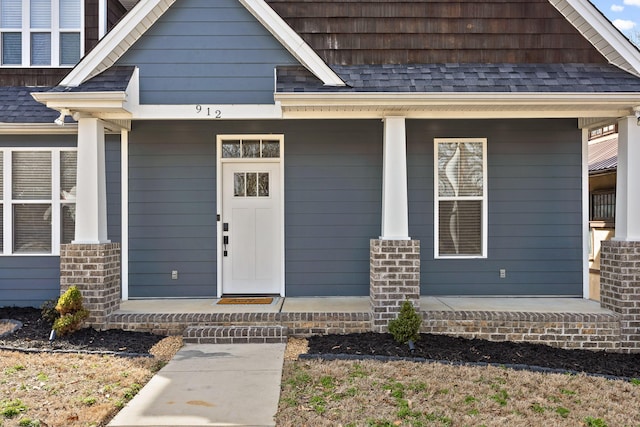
(394, 277)
(620, 288)
(95, 270)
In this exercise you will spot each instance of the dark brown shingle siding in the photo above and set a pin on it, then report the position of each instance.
(435, 31)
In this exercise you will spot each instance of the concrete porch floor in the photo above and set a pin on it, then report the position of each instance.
(361, 305)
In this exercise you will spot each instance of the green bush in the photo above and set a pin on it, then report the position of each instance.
(70, 301)
(406, 327)
(49, 312)
(72, 313)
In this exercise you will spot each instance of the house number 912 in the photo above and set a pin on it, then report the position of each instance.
(216, 114)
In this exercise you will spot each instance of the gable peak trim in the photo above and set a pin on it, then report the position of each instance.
(146, 12)
(292, 41)
(601, 33)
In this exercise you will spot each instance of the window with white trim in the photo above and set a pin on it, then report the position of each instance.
(41, 33)
(38, 200)
(460, 212)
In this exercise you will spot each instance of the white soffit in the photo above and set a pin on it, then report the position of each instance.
(601, 33)
(145, 13)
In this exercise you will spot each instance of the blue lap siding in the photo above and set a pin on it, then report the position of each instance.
(203, 51)
(535, 208)
(31, 280)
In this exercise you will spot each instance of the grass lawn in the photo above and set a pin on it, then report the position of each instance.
(56, 390)
(373, 393)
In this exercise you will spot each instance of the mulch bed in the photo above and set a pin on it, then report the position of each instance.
(34, 335)
(461, 350)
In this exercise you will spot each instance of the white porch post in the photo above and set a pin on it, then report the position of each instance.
(91, 189)
(395, 204)
(628, 181)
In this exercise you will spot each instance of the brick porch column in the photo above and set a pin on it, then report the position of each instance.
(620, 288)
(95, 270)
(620, 258)
(394, 278)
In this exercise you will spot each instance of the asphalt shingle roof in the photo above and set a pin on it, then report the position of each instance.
(18, 106)
(114, 79)
(460, 78)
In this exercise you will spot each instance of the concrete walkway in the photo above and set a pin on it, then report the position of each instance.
(211, 385)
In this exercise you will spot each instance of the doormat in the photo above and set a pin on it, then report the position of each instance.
(244, 300)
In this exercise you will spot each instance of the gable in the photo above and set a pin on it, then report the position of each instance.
(201, 51)
(356, 32)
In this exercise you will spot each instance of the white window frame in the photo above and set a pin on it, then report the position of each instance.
(484, 199)
(55, 32)
(8, 202)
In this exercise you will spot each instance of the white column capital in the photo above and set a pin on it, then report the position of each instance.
(91, 189)
(628, 180)
(395, 204)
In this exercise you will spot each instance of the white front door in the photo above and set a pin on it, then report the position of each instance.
(251, 228)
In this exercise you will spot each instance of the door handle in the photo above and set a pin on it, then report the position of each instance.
(225, 242)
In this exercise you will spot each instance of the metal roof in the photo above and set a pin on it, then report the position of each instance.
(603, 153)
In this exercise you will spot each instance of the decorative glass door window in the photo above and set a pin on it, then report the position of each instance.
(460, 198)
(250, 149)
(251, 184)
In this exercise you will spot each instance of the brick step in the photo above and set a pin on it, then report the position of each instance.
(260, 334)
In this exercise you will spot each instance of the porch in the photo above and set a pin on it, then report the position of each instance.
(560, 322)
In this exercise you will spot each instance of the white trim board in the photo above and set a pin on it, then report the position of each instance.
(219, 199)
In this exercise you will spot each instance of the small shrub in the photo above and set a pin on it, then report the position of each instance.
(70, 301)
(49, 312)
(72, 313)
(70, 322)
(406, 327)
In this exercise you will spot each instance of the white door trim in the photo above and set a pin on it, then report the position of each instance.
(219, 198)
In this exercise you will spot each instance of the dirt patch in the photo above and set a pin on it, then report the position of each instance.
(295, 347)
(7, 326)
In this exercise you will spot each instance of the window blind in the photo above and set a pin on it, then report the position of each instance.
(40, 14)
(69, 48)
(32, 228)
(31, 175)
(11, 48)
(460, 198)
(11, 11)
(70, 14)
(40, 48)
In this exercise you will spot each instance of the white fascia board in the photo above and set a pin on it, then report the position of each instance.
(205, 112)
(427, 113)
(128, 30)
(82, 101)
(292, 41)
(456, 105)
(605, 30)
(38, 129)
(459, 98)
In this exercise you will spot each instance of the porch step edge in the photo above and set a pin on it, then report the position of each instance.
(260, 334)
